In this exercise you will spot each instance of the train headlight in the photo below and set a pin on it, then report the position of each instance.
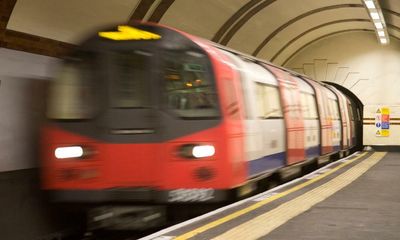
(203, 151)
(197, 151)
(69, 152)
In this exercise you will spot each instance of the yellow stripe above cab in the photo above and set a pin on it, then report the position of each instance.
(125, 33)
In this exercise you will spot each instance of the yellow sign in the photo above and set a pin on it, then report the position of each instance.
(385, 111)
(129, 33)
(384, 133)
(382, 122)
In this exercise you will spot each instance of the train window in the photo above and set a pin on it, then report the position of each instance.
(189, 86)
(268, 103)
(304, 105)
(313, 106)
(129, 88)
(291, 98)
(308, 106)
(327, 108)
(321, 106)
(330, 109)
(260, 101)
(351, 113)
(334, 109)
(72, 94)
(244, 94)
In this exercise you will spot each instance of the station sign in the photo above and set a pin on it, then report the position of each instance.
(382, 122)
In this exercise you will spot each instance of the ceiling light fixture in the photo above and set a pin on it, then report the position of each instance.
(374, 15)
(378, 25)
(370, 4)
(377, 18)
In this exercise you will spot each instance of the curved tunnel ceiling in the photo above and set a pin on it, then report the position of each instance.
(274, 30)
(300, 17)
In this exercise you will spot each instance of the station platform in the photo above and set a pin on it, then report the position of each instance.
(354, 198)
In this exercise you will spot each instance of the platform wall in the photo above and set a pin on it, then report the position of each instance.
(25, 211)
(372, 131)
(24, 78)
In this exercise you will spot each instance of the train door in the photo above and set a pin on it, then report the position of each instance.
(290, 96)
(324, 117)
(131, 118)
(311, 120)
(333, 109)
(352, 116)
(344, 117)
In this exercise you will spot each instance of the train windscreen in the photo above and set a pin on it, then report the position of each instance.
(189, 87)
(131, 79)
(173, 75)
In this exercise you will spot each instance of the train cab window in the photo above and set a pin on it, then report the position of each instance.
(130, 85)
(268, 103)
(189, 86)
(74, 92)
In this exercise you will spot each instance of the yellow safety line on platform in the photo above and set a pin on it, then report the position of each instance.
(262, 203)
(267, 222)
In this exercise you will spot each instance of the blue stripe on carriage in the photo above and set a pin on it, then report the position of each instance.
(267, 163)
(336, 148)
(313, 151)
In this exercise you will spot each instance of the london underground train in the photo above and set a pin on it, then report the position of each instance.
(146, 116)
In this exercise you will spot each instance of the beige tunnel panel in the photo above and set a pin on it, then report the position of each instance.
(68, 21)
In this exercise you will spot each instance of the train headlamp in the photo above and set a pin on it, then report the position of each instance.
(203, 151)
(197, 151)
(71, 152)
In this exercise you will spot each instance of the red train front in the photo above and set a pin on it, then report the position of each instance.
(142, 121)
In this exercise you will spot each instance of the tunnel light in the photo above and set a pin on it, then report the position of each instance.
(370, 4)
(378, 25)
(375, 11)
(375, 15)
(68, 152)
(203, 151)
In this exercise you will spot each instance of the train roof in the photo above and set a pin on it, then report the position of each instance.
(138, 35)
(153, 35)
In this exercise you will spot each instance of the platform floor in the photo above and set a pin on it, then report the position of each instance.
(354, 198)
